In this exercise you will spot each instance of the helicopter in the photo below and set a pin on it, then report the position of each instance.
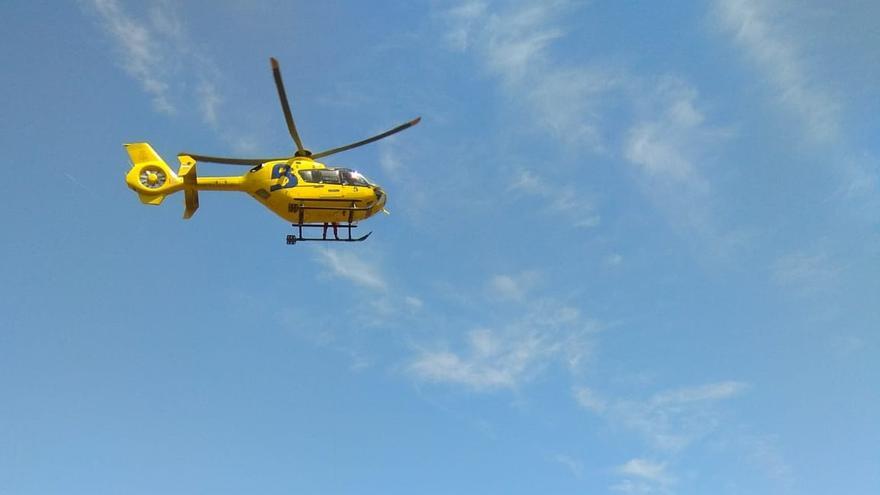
(298, 188)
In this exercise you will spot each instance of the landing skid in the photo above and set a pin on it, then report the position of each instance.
(298, 206)
(293, 239)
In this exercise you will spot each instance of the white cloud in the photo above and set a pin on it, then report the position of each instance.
(513, 287)
(666, 144)
(563, 200)
(490, 361)
(630, 486)
(762, 34)
(805, 271)
(663, 146)
(414, 199)
(771, 37)
(588, 399)
(462, 20)
(645, 469)
(669, 420)
(700, 393)
(764, 454)
(513, 46)
(141, 51)
(667, 137)
(613, 259)
(349, 265)
(505, 287)
(575, 466)
(642, 476)
(672, 147)
(517, 40)
(511, 355)
(209, 102)
(155, 51)
(389, 160)
(569, 103)
(413, 302)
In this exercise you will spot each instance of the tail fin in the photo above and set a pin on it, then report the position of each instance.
(152, 179)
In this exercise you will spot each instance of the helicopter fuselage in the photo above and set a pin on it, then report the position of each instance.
(299, 190)
(305, 191)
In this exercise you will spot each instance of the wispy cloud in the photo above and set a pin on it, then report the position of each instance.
(588, 399)
(209, 102)
(140, 50)
(350, 266)
(563, 200)
(642, 476)
(700, 393)
(663, 132)
(154, 50)
(763, 452)
(513, 46)
(413, 302)
(805, 271)
(514, 286)
(613, 259)
(645, 469)
(512, 354)
(394, 160)
(574, 466)
(762, 34)
(771, 36)
(667, 141)
(671, 146)
(464, 20)
(669, 420)
(488, 362)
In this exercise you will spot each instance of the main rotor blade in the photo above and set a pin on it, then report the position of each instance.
(282, 95)
(233, 161)
(368, 140)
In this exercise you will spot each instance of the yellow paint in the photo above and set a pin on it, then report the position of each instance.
(148, 170)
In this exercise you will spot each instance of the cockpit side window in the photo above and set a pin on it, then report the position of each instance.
(325, 176)
(352, 178)
(320, 176)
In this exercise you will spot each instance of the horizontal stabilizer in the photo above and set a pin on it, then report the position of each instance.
(151, 199)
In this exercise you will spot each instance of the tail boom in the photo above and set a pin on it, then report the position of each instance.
(152, 179)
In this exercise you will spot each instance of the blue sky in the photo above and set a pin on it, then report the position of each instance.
(633, 248)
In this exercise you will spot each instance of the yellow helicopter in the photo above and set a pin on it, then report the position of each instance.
(297, 188)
